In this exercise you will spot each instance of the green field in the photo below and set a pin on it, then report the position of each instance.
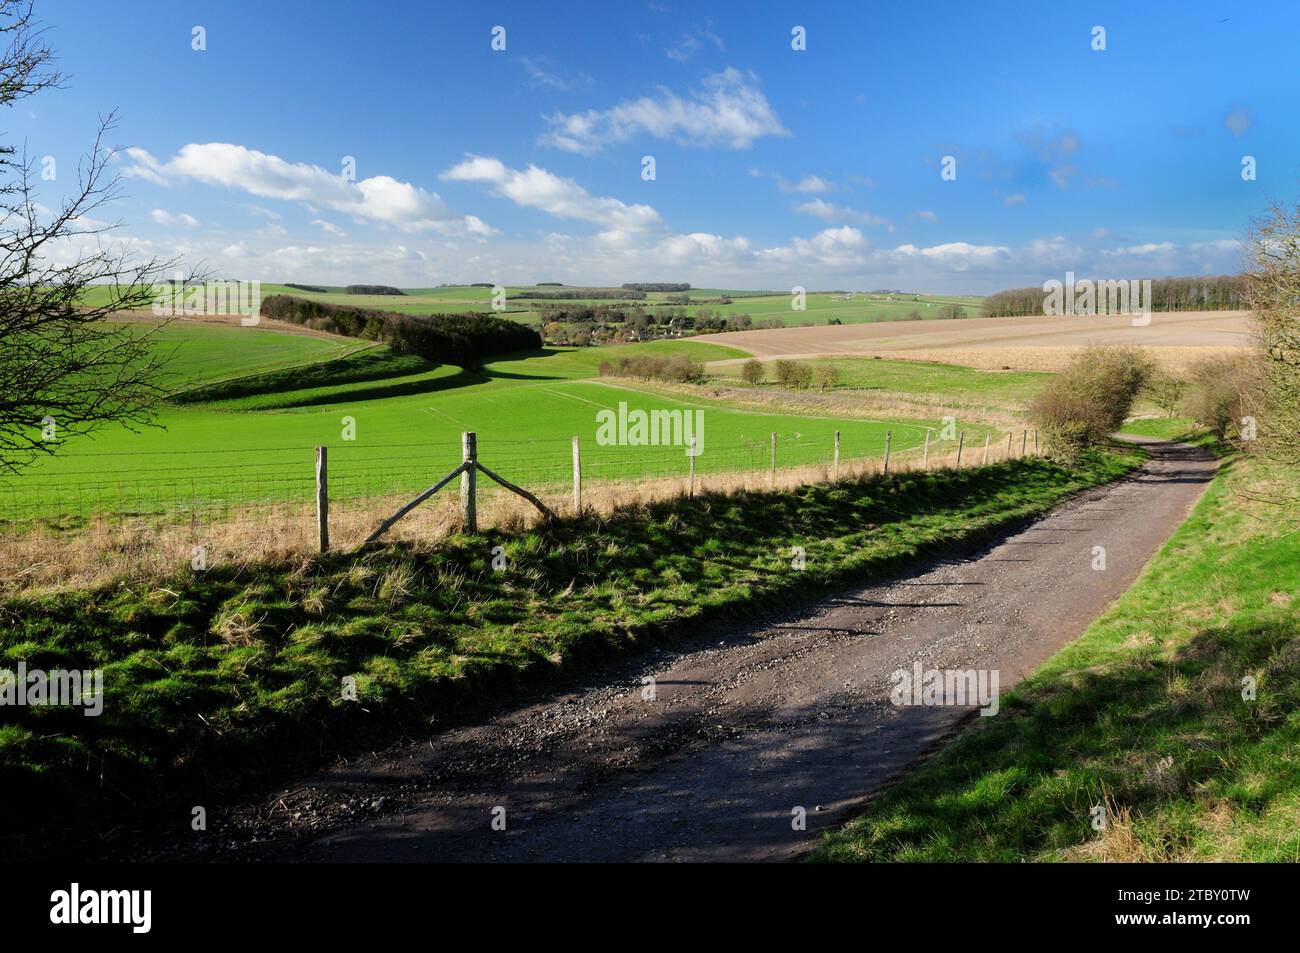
(821, 306)
(254, 442)
(914, 378)
(196, 353)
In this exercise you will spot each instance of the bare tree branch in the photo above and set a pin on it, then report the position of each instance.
(64, 368)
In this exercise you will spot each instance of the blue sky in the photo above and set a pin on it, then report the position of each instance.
(773, 167)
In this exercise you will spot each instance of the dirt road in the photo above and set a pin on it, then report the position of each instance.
(744, 727)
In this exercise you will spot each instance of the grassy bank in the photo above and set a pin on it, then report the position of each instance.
(1180, 429)
(211, 677)
(1144, 713)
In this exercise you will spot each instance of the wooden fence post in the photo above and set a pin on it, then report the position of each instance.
(1024, 442)
(1009, 432)
(774, 459)
(468, 483)
(577, 479)
(691, 453)
(323, 498)
(961, 442)
(837, 455)
(888, 436)
(1035, 441)
(925, 458)
(986, 448)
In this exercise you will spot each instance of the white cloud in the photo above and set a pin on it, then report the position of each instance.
(832, 258)
(534, 187)
(843, 247)
(379, 199)
(685, 48)
(1054, 149)
(809, 183)
(828, 212)
(1060, 175)
(629, 241)
(729, 109)
(542, 73)
(164, 217)
(1010, 200)
(956, 256)
(1149, 248)
(1238, 121)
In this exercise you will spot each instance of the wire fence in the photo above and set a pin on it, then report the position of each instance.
(125, 510)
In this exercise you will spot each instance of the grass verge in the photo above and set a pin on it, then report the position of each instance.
(1180, 429)
(234, 674)
(1144, 714)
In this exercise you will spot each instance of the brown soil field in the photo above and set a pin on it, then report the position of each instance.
(1024, 343)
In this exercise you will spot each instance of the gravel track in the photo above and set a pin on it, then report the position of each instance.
(746, 725)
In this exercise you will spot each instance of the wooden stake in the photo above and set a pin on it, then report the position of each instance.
(1024, 442)
(837, 455)
(888, 436)
(577, 478)
(961, 441)
(1009, 444)
(323, 498)
(986, 448)
(691, 454)
(925, 458)
(468, 483)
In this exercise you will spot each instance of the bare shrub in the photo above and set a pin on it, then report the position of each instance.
(1090, 399)
(824, 376)
(1273, 290)
(793, 374)
(751, 372)
(676, 369)
(1221, 389)
(1167, 392)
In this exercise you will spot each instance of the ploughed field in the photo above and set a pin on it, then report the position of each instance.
(1023, 343)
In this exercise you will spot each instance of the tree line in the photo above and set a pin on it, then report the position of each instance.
(1202, 293)
(373, 290)
(462, 339)
(625, 294)
(656, 286)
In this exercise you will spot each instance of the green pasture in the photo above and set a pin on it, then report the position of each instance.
(914, 378)
(394, 434)
(196, 353)
(821, 306)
